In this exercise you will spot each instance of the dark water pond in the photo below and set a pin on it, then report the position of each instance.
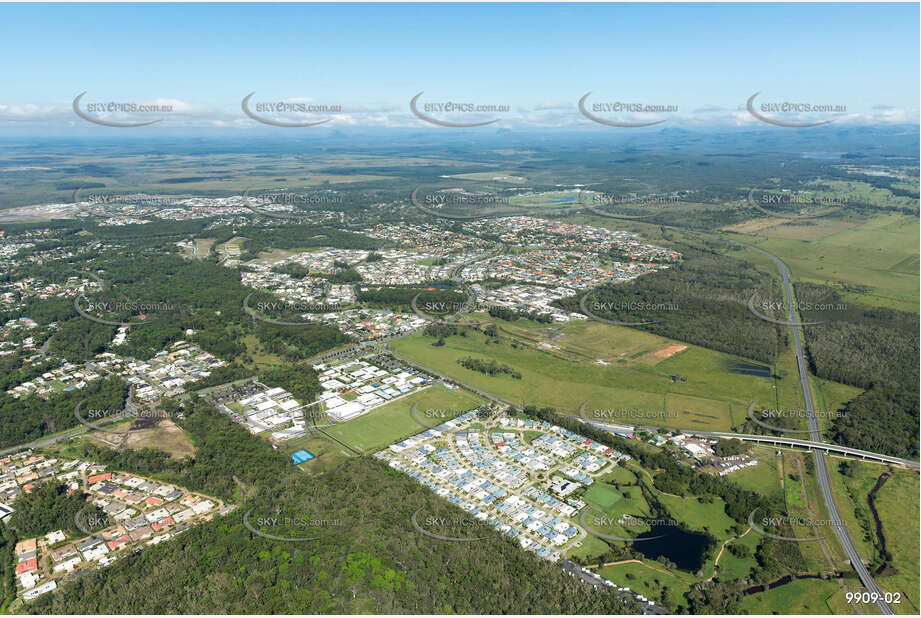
(748, 369)
(686, 549)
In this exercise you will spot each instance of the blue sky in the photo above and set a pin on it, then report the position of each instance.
(538, 59)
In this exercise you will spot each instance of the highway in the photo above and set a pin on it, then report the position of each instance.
(765, 439)
(821, 467)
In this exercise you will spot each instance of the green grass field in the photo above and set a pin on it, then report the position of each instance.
(874, 262)
(897, 503)
(650, 579)
(393, 421)
(803, 596)
(601, 496)
(898, 506)
(763, 477)
(327, 453)
(709, 397)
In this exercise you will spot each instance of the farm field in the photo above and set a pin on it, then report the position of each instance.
(700, 376)
(853, 493)
(874, 263)
(393, 421)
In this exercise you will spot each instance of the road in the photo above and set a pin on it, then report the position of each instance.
(66, 435)
(131, 409)
(765, 439)
(821, 467)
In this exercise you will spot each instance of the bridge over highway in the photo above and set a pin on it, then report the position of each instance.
(775, 441)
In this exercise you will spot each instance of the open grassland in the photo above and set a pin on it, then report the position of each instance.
(826, 554)
(393, 421)
(802, 596)
(763, 477)
(706, 393)
(260, 358)
(897, 504)
(851, 497)
(874, 262)
(830, 398)
(731, 567)
(898, 507)
(650, 579)
(602, 497)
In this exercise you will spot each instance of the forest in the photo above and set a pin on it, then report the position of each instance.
(365, 564)
(873, 348)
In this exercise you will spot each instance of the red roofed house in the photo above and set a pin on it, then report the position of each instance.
(27, 567)
(100, 477)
